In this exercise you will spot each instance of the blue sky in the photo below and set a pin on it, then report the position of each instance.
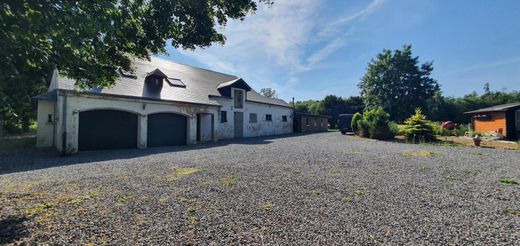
(311, 48)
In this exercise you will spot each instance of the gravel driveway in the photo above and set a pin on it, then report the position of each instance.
(292, 190)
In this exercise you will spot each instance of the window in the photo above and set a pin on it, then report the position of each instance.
(252, 118)
(49, 118)
(223, 116)
(307, 121)
(173, 82)
(238, 97)
(268, 117)
(284, 118)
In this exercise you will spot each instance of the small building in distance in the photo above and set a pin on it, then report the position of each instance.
(504, 119)
(310, 122)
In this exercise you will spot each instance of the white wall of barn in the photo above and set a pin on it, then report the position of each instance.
(261, 127)
(45, 120)
(76, 103)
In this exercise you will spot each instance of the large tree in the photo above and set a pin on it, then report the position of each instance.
(397, 82)
(268, 92)
(89, 40)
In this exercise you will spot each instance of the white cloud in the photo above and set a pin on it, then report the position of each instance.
(332, 28)
(271, 47)
(275, 34)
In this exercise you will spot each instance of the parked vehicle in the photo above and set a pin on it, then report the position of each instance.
(344, 123)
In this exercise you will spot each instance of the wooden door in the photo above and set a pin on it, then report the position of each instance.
(238, 122)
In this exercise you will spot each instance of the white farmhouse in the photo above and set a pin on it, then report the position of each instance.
(161, 104)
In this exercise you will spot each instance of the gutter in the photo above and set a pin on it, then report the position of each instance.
(133, 97)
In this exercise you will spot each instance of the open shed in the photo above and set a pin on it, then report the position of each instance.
(503, 118)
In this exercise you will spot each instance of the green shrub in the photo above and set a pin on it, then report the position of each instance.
(376, 124)
(394, 127)
(362, 128)
(437, 128)
(355, 121)
(418, 128)
(460, 130)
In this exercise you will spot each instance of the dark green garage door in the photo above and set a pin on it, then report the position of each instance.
(166, 129)
(107, 129)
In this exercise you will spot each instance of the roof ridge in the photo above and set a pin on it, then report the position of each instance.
(186, 65)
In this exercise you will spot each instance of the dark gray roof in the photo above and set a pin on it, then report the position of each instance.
(502, 107)
(200, 84)
(312, 115)
(48, 96)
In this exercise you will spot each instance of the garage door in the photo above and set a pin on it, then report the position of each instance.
(107, 129)
(166, 129)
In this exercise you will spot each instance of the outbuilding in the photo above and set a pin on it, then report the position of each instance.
(310, 122)
(162, 103)
(504, 119)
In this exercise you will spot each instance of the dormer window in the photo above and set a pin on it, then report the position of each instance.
(238, 98)
(154, 82)
(225, 89)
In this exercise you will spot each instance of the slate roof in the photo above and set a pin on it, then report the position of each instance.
(201, 84)
(502, 107)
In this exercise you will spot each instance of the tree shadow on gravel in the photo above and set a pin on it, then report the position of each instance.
(12, 229)
(33, 159)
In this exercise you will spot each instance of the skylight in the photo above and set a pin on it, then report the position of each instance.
(173, 82)
(125, 74)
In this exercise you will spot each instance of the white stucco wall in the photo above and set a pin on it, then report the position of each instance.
(262, 127)
(77, 103)
(70, 104)
(45, 130)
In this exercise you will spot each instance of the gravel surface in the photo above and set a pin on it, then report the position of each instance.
(292, 190)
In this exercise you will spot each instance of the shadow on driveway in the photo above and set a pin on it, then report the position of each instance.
(21, 160)
(12, 229)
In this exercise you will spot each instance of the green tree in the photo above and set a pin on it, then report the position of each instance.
(397, 82)
(333, 106)
(355, 122)
(89, 40)
(268, 92)
(354, 104)
(305, 106)
(418, 128)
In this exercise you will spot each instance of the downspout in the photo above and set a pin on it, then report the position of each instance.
(64, 126)
(293, 115)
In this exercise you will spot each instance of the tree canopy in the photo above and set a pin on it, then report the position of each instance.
(89, 40)
(396, 82)
(331, 105)
(268, 92)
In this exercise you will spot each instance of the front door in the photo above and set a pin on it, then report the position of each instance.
(238, 122)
